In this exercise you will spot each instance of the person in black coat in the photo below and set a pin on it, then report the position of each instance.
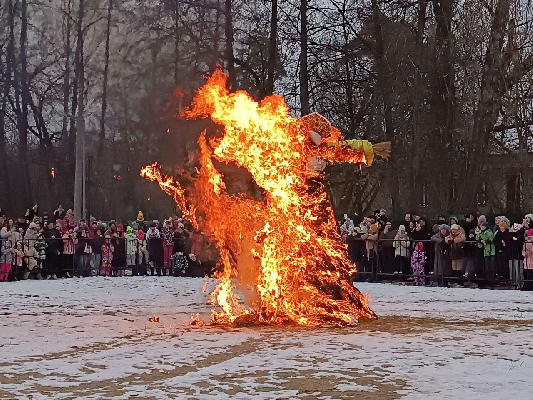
(355, 246)
(54, 250)
(516, 261)
(155, 248)
(503, 240)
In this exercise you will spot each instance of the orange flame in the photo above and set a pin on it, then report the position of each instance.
(283, 258)
(154, 318)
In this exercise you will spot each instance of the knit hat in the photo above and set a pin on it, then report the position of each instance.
(140, 235)
(140, 216)
(401, 228)
(529, 232)
(485, 224)
(373, 228)
(481, 219)
(444, 227)
(503, 218)
(455, 227)
(529, 216)
(129, 229)
(455, 218)
(503, 225)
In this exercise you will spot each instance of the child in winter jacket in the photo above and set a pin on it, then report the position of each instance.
(418, 263)
(107, 257)
(7, 258)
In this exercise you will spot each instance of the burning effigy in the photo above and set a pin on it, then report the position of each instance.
(283, 260)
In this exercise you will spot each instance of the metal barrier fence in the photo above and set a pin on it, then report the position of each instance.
(395, 260)
(442, 263)
(67, 257)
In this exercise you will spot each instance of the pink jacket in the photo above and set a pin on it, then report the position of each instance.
(527, 252)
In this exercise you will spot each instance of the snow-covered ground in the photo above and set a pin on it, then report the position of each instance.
(91, 338)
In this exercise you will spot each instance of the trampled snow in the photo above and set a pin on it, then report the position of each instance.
(91, 338)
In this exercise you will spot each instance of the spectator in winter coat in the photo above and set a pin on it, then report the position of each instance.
(527, 252)
(69, 242)
(469, 254)
(31, 233)
(143, 257)
(9, 233)
(516, 261)
(502, 241)
(84, 252)
(31, 258)
(155, 248)
(197, 244)
(54, 249)
(386, 248)
(370, 239)
(19, 261)
(131, 247)
(455, 240)
(442, 251)
(486, 242)
(194, 267)
(7, 259)
(402, 252)
(107, 257)
(418, 263)
(167, 234)
(355, 246)
(346, 227)
(40, 246)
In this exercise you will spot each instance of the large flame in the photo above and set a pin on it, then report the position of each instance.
(283, 259)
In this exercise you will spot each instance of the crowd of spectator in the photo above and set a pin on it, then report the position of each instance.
(43, 246)
(452, 251)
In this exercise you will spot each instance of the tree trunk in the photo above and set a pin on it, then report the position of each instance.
(304, 76)
(79, 179)
(6, 85)
(415, 173)
(384, 84)
(230, 59)
(443, 100)
(22, 122)
(106, 73)
(273, 48)
(66, 76)
(176, 43)
(493, 88)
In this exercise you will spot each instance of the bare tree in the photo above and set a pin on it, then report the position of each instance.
(79, 179)
(304, 74)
